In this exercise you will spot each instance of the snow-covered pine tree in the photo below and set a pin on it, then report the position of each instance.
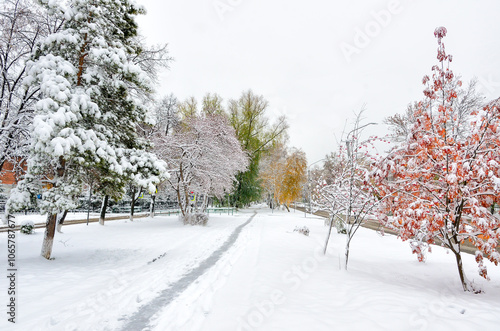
(87, 117)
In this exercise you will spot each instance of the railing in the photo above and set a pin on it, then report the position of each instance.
(215, 210)
(125, 209)
(221, 210)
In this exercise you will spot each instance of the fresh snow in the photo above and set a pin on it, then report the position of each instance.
(158, 274)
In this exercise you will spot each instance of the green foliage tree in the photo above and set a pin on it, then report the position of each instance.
(212, 105)
(255, 133)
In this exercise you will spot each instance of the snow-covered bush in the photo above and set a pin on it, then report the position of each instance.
(27, 227)
(339, 225)
(304, 230)
(195, 219)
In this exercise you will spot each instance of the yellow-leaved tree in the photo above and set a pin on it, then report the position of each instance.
(283, 174)
(294, 177)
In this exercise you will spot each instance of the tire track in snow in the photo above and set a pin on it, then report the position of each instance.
(140, 319)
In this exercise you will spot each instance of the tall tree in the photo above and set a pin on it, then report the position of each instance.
(188, 108)
(271, 171)
(294, 177)
(166, 114)
(256, 134)
(212, 105)
(440, 183)
(204, 156)
(22, 24)
(283, 174)
(87, 117)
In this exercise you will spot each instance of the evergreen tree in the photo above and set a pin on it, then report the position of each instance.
(87, 116)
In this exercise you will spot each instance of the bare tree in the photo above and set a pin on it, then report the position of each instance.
(22, 24)
(346, 194)
(203, 156)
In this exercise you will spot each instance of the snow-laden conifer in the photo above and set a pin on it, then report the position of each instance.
(87, 117)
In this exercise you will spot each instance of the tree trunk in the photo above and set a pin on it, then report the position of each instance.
(132, 204)
(152, 206)
(60, 220)
(347, 251)
(205, 203)
(179, 202)
(104, 205)
(89, 204)
(48, 238)
(329, 233)
(463, 279)
(286, 206)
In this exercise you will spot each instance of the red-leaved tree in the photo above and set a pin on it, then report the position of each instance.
(441, 185)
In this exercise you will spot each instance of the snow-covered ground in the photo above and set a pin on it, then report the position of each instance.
(157, 274)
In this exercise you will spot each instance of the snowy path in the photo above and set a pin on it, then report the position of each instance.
(140, 320)
(101, 275)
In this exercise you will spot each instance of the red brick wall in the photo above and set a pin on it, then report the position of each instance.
(8, 176)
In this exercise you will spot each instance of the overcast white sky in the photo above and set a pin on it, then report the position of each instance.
(319, 61)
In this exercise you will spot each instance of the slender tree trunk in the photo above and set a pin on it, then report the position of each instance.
(455, 248)
(329, 233)
(132, 203)
(286, 206)
(461, 273)
(179, 202)
(60, 220)
(348, 243)
(205, 203)
(236, 196)
(89, 204)
(104, 206)
(152, 206)
(48, 238)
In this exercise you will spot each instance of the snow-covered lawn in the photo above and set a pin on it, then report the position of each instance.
(271, 278)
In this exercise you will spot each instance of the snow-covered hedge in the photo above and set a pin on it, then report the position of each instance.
(27, 227)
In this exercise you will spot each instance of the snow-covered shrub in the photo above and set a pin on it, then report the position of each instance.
(27, 227)
(196, 219)
(340, 226)
(304, 230)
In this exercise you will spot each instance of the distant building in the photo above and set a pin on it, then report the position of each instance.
(9, 176)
